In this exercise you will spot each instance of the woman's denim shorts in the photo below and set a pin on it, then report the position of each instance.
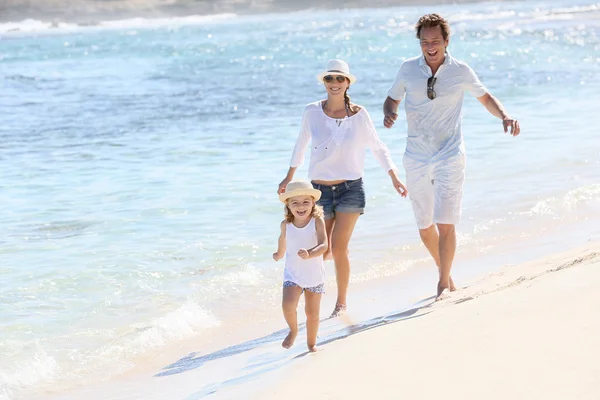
(346, 197)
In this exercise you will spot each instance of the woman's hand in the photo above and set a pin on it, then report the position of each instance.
(283, 184)
(398, 185)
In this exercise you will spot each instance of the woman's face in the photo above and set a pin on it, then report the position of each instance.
(334, 86)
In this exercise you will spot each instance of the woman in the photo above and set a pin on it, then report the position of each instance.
(339, 132)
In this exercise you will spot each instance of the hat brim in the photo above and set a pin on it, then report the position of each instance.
(300, 192)
(323, 74)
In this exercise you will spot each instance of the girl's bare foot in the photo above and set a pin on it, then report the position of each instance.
(313, 348)
(289, 339)
(340, 309)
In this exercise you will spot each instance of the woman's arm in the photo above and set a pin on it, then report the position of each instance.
(298, 153)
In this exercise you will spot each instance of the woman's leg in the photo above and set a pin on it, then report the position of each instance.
(289, 303)
(340, 238)
(329, 224)
(312, 307)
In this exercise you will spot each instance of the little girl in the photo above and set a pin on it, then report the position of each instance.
(303, 241)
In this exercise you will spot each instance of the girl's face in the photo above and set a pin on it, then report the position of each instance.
(334, 86)
(301, 206)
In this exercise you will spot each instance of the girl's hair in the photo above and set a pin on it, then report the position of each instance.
(317, 212)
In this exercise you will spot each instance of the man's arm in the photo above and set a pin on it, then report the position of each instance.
(390, 109)
(496, 108)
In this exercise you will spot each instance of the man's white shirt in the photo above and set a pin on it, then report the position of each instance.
(434, 126)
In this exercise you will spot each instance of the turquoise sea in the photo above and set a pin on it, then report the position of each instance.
(139, 163)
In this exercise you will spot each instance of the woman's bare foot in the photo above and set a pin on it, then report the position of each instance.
(452, 287)
(313, 348)
(327, 256)
(340, 309)
(442, 292)
(289, 339)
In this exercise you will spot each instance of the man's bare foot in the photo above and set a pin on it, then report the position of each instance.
(327, 256)
(289, 339)
(340, 309)
(313, 348)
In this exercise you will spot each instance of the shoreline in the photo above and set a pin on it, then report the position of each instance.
(236, 371)
(91, 12)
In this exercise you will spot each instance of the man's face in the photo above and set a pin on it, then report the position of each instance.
(433, 44)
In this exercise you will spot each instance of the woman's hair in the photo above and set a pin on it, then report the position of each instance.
(349, 105)
(317, 212)
(430, 21)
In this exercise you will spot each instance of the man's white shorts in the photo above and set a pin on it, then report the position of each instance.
(435, 189)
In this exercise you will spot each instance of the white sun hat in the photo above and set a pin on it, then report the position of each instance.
(337, 67)
(299, 188)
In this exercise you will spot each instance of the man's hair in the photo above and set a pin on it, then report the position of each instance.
(430, 21)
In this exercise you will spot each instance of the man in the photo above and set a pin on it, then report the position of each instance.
(433, 86)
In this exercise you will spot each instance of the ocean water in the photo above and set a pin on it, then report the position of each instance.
(139, 162)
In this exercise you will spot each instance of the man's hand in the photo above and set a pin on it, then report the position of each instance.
(388, 120)
(277, 256)
(513, 124)
(303, 254)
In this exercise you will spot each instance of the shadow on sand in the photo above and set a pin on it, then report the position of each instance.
(268, 362)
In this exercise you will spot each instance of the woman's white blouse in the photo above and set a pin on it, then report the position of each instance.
(338, 146)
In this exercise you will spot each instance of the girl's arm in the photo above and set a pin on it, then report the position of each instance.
(322, 244)
(278, 255)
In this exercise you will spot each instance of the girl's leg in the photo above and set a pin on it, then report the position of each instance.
(289, 303)
(329, 223)
(312, 307)
(340, 238)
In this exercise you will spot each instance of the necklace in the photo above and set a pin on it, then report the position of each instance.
(338, 121)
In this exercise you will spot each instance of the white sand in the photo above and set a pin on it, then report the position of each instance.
(528, 332)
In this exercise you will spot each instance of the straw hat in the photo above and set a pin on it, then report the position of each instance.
(299, 188)
(337, 67)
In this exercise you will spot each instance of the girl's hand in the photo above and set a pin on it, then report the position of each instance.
(283, 184)
(303, 254)
(277, 256)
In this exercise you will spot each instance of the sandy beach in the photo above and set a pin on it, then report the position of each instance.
(528, 331)
(139, 169)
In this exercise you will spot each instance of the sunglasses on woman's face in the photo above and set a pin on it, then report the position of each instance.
(330, 78)
(430, 85)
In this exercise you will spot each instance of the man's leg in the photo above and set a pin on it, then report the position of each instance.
(447, 249)
(431, 240)
(449, 178)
